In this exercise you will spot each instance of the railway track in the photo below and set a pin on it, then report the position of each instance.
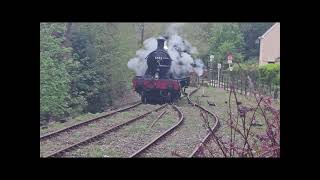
(162, 135)
(141, 152)
(223, 124)
(84, 123)
(137, 153)
(100, 135)
(213, 128)
(149, 150)
(149, 143)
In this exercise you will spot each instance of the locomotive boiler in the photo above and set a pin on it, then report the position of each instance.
(158, 84)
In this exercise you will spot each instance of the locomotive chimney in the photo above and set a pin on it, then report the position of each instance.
(160, 43)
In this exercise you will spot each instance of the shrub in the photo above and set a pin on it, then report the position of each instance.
(270, 73)
(266, 74)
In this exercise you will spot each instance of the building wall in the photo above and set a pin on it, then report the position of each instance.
(270, 45)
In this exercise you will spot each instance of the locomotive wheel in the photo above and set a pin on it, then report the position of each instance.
(144, 99)
(169, 98)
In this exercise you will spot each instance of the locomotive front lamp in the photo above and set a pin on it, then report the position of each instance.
(156, 76)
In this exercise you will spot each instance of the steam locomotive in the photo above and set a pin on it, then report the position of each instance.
(158, 85)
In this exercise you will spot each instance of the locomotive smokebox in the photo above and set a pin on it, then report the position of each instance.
(160, 43)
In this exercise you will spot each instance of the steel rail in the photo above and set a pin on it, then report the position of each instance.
(162, 135)
(100, 135)
(213, 129)
(49, 135)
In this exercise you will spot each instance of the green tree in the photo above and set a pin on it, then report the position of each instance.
(197, 35)
(54, 78)
(88, 90)
(126, 48)
(100, 75)
(224, 38)
(82, 72)
(251, 33)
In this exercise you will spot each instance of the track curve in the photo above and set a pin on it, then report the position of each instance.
(213, 129)
(144, 148)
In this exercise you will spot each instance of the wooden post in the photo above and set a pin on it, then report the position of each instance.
(237, 85)
(213, 79)
(275, 93)
(265, 89)
(240, 84)
(213, 83)
(219, 80)
(216, 82)
(222, 81)
(253, 87)
(228, 82)
(219, 77)
(245, 87)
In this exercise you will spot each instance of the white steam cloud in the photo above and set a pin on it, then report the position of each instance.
(199, 66)
(174, 28)
(179, 49)
(139, 63)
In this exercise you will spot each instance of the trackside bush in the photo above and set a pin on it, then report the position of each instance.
(266, 74)
(270, 73)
